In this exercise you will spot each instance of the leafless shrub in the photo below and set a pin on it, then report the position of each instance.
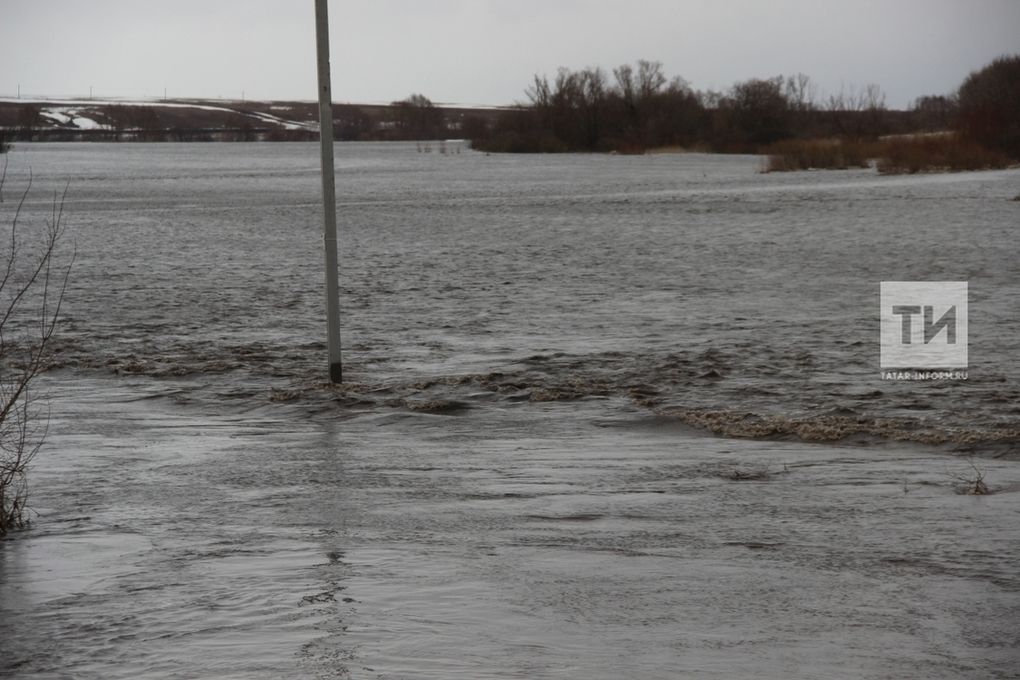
(972, 483)
(32, 286)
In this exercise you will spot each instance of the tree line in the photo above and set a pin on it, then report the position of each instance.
(637, 107)
(631, 109)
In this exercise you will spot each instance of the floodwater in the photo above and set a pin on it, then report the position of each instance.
(603, 416)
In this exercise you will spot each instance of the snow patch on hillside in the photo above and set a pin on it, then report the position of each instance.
(63, 111)
(69, 115)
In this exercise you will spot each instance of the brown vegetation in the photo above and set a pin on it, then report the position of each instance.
(584, 111)
(901, 154)
(639, 108)
(828, 154)
(936, 153)
(989, 106)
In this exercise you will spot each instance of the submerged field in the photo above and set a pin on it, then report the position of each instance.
(524, 475)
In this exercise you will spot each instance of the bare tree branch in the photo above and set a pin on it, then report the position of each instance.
(31, 297)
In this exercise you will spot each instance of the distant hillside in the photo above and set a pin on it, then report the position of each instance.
(220, 120)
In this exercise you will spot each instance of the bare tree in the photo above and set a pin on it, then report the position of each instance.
(800, 92)
(989, 101)
(29, 118)
(852, 98)
(416, 117)
(858, 111)
(624, 75)
(760, 110)
(539, 92)
(32, 286)
(650, 78)
(935, 112)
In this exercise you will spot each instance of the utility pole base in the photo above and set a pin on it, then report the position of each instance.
(328, 190)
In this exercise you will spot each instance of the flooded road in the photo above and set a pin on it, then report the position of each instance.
(524, 476)
(540, 540)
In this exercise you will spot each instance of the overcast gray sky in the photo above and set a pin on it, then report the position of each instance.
(486, 51)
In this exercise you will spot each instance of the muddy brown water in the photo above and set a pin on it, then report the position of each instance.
(604, 416)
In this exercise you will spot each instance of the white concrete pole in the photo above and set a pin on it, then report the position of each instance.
(328, 191)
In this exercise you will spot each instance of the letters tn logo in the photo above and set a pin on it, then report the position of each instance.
(924, 324)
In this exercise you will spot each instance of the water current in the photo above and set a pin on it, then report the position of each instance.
(603, 416)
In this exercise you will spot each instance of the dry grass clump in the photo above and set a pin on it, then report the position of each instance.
(936, 153)
(823, 154)
(905, 154)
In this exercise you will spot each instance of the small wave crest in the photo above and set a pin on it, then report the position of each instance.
(726, 390)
